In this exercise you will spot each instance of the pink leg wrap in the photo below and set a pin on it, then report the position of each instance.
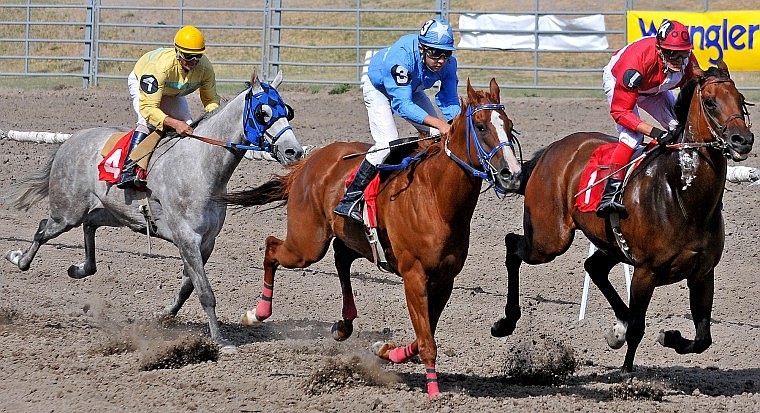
(264, 307)
(349, 308)
(432, 382)
(402, 354)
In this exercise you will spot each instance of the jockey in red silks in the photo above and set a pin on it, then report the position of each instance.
(642, 75)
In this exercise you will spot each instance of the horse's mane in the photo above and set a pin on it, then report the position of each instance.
(527, 169)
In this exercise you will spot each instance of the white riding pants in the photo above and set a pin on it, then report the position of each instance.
(659, 106)
(382, 124)
(174, 106)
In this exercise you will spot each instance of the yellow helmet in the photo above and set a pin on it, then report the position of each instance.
(190, 40)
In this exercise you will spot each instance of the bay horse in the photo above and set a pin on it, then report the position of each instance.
(424, 215)
(674, 228)
(183, 175)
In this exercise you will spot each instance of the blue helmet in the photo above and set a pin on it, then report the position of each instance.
(437, 33)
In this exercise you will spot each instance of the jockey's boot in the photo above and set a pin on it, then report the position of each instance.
(349, 205)
(129, 177)
(613, 193)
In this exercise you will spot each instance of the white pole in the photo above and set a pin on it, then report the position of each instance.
(37, 137)
(587, 283)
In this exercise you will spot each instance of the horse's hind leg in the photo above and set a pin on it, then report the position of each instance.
(503, 327)
(344, 257)
(299, 250)
(700, 300)
(264, 306)
(88, 267)
(47, 230)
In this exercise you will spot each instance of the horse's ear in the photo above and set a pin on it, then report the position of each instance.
(470, 91)
(255, 80)
(277, 79)
(723, 68)
(495, 89)
(698, 72)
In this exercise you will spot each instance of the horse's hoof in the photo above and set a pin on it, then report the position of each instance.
(616, 335)
(503, 328)
(228, 349)
(341, 330)
(381, 349)
(78, 272)
(13, 256)
(249, 319)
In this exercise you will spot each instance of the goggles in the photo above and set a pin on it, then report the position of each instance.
(193, 58)
(437, 54)
(675, 54)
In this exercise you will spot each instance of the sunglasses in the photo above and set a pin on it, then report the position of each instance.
(675, 54)
(437, 54)
(189, 57)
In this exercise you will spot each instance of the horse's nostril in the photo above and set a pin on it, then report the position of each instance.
(290, 153)
(738, 139)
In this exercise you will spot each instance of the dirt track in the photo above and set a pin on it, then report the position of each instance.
(77, 345)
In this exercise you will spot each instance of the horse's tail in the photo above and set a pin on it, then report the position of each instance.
(274, 190)
(31, 189)
(527, 169)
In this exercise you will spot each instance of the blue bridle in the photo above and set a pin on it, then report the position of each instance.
(257, 118)
(483, 155)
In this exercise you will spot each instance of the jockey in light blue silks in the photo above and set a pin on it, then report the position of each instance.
(395, 82)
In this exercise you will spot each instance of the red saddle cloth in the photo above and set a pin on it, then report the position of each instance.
(109, 169)
(596, 170)
(370, 196)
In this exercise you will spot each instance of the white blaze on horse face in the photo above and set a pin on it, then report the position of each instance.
(508, 151)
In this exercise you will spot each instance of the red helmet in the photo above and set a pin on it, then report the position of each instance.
(673, 35)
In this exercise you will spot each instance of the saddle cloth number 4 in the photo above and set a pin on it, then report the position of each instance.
(109, 168)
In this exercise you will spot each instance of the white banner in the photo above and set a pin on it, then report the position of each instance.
(471, 37)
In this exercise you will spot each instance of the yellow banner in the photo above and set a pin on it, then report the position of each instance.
(733, 36)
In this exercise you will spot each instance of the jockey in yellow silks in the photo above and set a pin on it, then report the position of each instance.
(158, 85)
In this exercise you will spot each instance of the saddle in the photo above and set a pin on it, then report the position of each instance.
(399, 158)
(591, 186)
(116, 150)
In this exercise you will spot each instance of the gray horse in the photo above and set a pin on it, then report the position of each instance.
(183, 175)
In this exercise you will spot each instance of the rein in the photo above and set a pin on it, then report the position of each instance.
(483, 156)
(239, 146)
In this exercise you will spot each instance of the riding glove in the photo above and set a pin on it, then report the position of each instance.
(663, 138)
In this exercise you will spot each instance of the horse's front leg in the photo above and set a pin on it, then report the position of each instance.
(186, 287)
(598, 266)
(415, 288)
(642, 288)
(700, 300)
(344, 257)
(193, 261)
(506, 326)
(264, 306)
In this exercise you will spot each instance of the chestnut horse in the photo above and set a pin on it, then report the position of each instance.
(424, 215)
(674, 227)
